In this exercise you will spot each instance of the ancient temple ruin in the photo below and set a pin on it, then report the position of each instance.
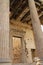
(21, 36)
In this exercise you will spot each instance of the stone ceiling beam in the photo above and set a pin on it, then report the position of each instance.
(23, 13)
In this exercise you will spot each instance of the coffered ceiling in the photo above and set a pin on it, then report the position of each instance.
(19, 10)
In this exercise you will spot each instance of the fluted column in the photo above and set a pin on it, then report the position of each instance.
(37, 28)
(4, 30)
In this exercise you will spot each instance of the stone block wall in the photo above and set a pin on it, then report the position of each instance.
(28, 38)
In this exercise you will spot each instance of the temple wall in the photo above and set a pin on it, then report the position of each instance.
(28, 39)
(30, 44)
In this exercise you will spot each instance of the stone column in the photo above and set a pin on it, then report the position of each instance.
(4, 31)
(37, 28)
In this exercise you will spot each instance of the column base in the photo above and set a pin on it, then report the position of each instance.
(5, 63)
(5, 60)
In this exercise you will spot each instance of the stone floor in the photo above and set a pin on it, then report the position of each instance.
(20, 63)
(17, 64)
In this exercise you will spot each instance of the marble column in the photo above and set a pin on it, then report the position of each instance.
(4, 31)
(37, 28)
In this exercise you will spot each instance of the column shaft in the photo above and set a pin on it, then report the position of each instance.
(4, 30)
(37, 28)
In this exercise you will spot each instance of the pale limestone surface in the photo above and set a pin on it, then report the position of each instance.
(4, 31)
